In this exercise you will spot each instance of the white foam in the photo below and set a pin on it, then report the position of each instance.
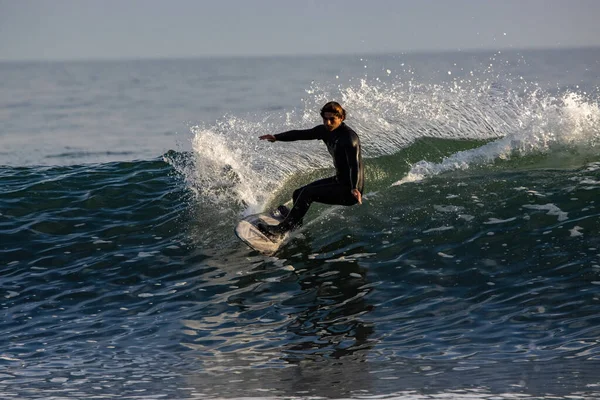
(588, 181)
(448, 209)
(551, 208)
(493, 221)
(576, 231)
(440, 229)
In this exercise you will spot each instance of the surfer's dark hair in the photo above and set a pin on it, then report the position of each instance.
(334, 108)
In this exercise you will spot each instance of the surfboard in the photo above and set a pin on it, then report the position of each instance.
(248, 233)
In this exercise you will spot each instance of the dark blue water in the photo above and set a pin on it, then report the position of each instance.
(472, 270)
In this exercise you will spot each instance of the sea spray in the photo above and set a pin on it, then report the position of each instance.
(236, 173)
(514, 117)
(546, 125)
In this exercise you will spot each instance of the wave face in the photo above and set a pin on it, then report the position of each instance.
(472, 270)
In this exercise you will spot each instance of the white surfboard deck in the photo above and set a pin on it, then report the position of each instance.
(248, 233)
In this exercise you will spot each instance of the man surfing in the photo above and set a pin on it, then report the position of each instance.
(345, 188)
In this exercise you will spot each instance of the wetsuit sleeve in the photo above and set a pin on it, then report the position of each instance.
(352, 150)
(301, 134)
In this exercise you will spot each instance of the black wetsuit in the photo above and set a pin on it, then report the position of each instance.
(344, 146)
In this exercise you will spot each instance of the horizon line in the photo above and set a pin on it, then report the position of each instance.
(300, 55)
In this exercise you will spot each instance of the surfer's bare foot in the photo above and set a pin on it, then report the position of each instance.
(271, 234)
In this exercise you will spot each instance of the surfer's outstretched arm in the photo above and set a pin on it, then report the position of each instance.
(318, 132)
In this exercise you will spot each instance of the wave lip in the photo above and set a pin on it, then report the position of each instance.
(547, 127)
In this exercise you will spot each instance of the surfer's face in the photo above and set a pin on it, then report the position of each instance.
(331, 121)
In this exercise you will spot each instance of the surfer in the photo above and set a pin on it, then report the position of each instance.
(345, 188)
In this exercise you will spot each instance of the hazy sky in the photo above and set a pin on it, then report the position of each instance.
(86, 29)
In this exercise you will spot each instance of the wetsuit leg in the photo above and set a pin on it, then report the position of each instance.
(327, 191)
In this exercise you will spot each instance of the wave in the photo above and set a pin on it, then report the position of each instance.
(490, 122)
(55, 201)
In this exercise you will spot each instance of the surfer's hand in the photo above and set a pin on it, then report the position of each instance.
(270, 138)
(357, 195)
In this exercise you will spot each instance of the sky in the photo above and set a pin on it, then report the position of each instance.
(133, 29)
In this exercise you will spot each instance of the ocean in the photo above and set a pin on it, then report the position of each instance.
(470, 271)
